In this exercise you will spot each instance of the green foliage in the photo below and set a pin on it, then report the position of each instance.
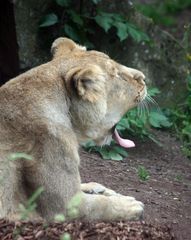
(123, 27)
(63, 3)
(104, 20)
(78, 23)
(72, 209)
(112, 152)
(59, 218)
(186, 41)
(15, 156)
(181, 118)
(96, 1)
(137, 122)
(140, 125)
(49, 20)
(143, 173)
(134, 123)
(179, 178)
(164, 12)
(65, 236)
(29, 207)
(158, 120)
(73, 205)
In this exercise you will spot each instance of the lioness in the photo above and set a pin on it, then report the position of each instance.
(47, 112)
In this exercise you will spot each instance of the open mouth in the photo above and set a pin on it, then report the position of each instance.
(126, 143)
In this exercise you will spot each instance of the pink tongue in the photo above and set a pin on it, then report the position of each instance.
(123, 142)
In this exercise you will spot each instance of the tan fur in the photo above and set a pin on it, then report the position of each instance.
(47, 112)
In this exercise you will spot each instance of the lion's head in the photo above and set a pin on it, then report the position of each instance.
(100, 90)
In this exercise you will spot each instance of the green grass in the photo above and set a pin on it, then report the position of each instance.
(143, 174)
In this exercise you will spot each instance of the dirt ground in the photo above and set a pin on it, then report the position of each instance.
(167, 193)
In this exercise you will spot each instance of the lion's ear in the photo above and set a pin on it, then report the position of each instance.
(63, 46)
(88, 82)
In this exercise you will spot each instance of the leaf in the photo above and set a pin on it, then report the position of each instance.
(120, 127)
(71, 32)
(134, 33)
(123, 124)
(115, 156)
(75, 201)
(121, 30)
(104, 21)
(144, 37)
(96, 1)
(65, 236)
(73, 212)
(158, 120)
(154, 122)
(76, 18)
(49, 20)
(187, 129)
(59, 218)
(88, 145)
(34, 196)
(104, 153)
(89, 45)
(121, 151)
(118, 17)
(153, 92)
(63, 3)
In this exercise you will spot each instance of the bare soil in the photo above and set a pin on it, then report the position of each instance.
(167, 193)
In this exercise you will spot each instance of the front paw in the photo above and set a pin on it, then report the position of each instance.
(126, 208)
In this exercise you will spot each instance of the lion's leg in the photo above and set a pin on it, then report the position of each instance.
(59, 185)
(57, 171)
(11, 189)
(55, 168)
(100, 207)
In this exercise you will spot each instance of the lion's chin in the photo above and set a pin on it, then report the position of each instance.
(104, 141)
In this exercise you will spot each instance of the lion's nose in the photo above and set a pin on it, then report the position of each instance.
(139, 77)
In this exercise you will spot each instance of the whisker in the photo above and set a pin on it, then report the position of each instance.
(146, 107)
(139, 110)
(153, 102)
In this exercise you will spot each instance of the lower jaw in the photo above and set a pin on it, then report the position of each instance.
(106, 141)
